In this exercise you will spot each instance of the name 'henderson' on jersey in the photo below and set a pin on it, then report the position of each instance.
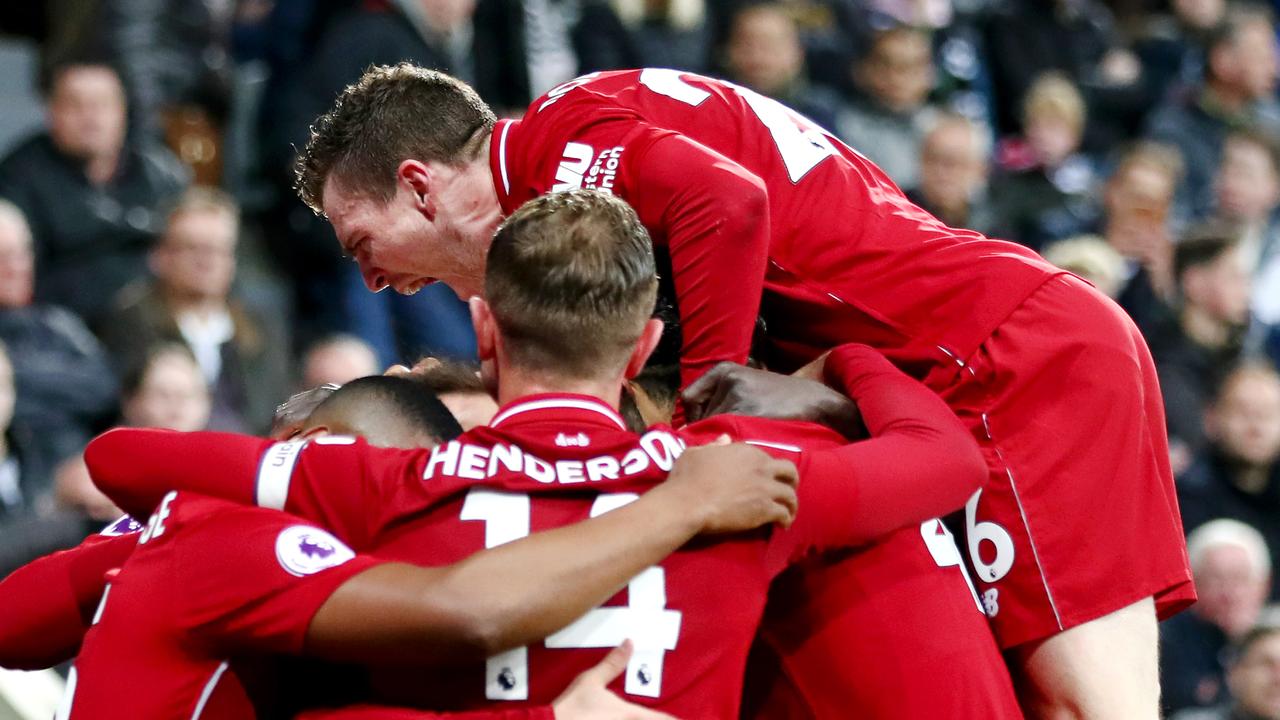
(843, 254)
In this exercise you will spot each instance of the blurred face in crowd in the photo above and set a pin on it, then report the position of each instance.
(1138, 198)
(898, 71)
(1231, 590)
(1220, 288)
(1053, 139)
(7, 394)
(1248, 185)
(448, 16)
(338, 362)
(1255, 678)
(1200, 14)
(1245, 420)
(17, 262)
(764, 50)
(196, 257)
(952, 166)
(173, 395)
(1247, 66)
(87, 112)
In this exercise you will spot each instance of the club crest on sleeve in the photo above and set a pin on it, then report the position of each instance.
(303, 550)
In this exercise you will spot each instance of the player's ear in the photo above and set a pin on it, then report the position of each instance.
(648, 342)
(414, 177)
(486, 328)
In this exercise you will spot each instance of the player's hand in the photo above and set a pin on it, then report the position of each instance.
(587, 697)
(740, 390)
(734, 487)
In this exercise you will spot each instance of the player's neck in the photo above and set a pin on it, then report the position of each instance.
(515, 384)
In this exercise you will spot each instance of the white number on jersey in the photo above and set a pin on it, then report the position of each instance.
(646, 620)
(801, 144)
(942, 546)
(992, 533)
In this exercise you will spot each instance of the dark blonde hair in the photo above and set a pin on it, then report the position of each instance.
(572, 281)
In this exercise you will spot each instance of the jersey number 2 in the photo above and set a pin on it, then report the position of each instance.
(801, 144)
(653, 627)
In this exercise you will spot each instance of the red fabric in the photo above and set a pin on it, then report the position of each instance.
(46, 606)
(840, 253)
(136, 467)
(1066, 407)
(209, 579)
(374, 712)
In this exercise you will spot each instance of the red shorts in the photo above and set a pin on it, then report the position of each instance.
(1079, 517)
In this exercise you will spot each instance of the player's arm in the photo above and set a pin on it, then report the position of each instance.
(523, 591)
(137, 467)
(47, 606)
(714, 215)
(920, 462)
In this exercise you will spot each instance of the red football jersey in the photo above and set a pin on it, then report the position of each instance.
(894, 629)
(751, 199)
(209, 580)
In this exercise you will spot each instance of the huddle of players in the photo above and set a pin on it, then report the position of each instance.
(376, 561)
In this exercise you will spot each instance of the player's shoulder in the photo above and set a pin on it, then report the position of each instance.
(781, 437)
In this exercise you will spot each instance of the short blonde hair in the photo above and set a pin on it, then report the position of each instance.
(1090, 257)
(1054, 95)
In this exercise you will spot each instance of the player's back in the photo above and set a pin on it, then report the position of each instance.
(844, 239)
(540, 466)
(132, 664)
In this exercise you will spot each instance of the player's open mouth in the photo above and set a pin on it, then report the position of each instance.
(413, 288)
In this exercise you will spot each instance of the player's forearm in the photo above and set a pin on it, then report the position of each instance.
(136, 467)
(523, 591)
(920, 462)
(715, 215)
(503, 597)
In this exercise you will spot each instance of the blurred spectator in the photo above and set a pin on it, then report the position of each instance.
(1093, 259)
(887, 120)
(954, 170)
(90, 197)
(66, 388)
(1172, 46)
(338, 359)
(1254, 680)
(1238, 89)
(242, 354)
(166, 389)
(1078, 39)
(1137, 201)
(764, 54)
(1235, 477)
(1232, 570)
(1043, 192)
(1194, 348)
(1247, 189)
(30, 523)
(621, 34)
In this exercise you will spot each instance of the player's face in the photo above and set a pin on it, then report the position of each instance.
(436, 226)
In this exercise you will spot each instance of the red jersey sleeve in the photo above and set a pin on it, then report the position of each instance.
(47, 606)
(921, 462)
(373, 712)
(251, 579)
(714, 216)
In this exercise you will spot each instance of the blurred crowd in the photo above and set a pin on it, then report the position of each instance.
(156, 268)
